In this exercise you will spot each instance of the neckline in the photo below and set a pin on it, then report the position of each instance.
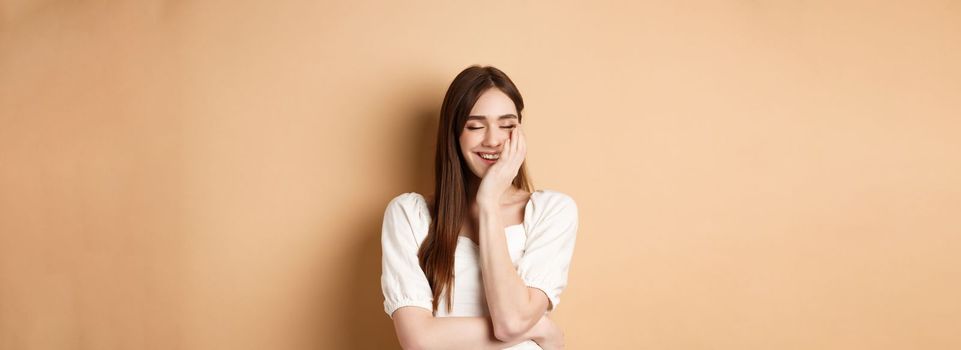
(471, 241)
(527, 212)
(527, 206)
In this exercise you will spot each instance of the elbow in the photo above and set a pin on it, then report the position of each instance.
(509, 330)
(412, 326)
(412, 343)
(411, 339)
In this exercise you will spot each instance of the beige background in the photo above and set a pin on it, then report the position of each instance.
(213, 174)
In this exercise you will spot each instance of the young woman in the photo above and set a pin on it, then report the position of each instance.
(508, 248)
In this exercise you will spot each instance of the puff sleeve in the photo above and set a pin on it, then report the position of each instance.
(402, 280)
(550, 246)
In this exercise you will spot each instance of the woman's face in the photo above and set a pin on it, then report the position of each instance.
(488, 125)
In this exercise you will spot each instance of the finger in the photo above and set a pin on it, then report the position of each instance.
(508, 155)
(521, 138)
(522, 141)
(518, 140)
(509, 148)
(522, 144)
(505, 150)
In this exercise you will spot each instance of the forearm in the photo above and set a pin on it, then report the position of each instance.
(423, 331)
(508, 298)
(470, 333)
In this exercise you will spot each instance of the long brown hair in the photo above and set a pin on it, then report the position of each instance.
(449, 206)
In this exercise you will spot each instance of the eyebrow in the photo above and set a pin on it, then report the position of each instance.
(506, 116)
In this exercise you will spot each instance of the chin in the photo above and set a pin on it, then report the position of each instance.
(480, 171)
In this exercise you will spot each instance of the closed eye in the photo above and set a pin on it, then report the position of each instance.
(481, 127)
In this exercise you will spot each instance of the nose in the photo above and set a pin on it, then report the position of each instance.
(492, 138)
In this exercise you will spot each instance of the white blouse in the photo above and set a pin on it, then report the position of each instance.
(541, 248)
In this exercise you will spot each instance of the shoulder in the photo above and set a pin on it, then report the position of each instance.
(410, 202)
(552, 198)
(407, 212)
(413, 207)
(549, 203)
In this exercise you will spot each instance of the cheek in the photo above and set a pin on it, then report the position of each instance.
(467, 142)
(465, 146)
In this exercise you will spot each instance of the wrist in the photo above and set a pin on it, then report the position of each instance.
(538, 333)
(486, 203)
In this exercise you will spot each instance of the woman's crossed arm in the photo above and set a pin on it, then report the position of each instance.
(417, 329)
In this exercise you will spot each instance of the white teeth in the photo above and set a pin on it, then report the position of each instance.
(490, 156)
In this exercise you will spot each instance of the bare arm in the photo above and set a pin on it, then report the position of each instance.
(514, 307)
(417, 329)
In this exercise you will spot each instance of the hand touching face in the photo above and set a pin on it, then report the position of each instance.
(501, 174)
(488, 128)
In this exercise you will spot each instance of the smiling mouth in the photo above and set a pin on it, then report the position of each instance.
(489, 156)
